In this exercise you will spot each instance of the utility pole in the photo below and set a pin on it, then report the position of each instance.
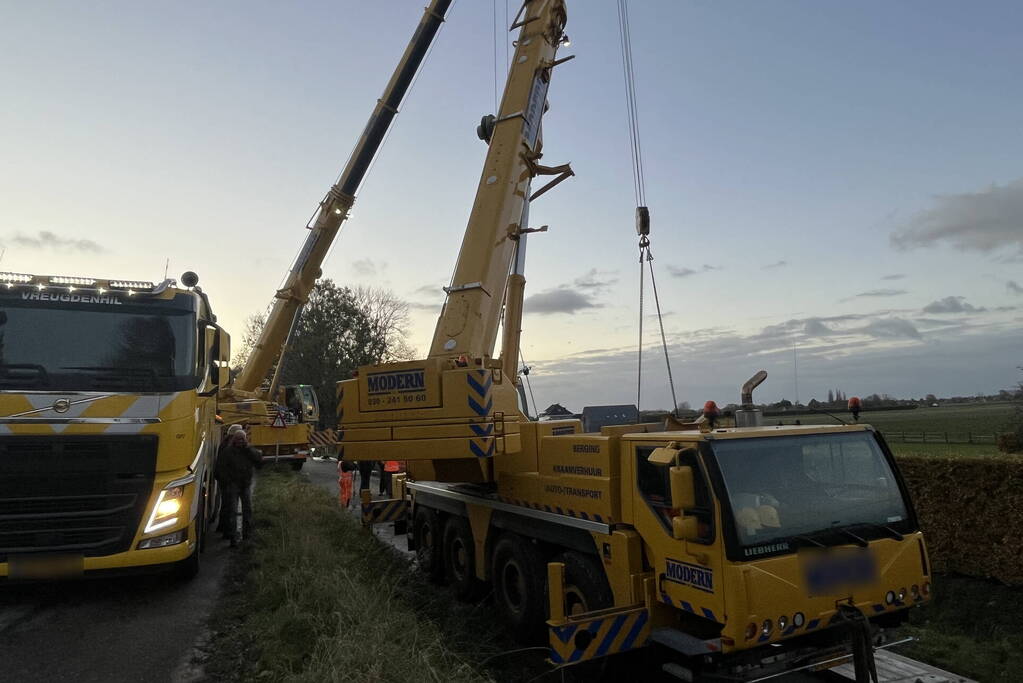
(795, 371)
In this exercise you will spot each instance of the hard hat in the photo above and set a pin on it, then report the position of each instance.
(768, 515)
(748, 519)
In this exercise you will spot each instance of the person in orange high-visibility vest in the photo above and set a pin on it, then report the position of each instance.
(345, 482)
(390, 467)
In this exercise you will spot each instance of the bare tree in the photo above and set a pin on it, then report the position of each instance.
(338, 330)
(253, 328)
(389, 317)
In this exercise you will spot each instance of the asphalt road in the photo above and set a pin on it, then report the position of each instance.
(140, 628)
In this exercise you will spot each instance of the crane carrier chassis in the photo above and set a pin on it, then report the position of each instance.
(738, 552)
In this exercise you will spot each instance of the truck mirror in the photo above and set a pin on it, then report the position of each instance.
(662, 456)
(685, 528)
(211, 348)
(683, 490)
(224, 356)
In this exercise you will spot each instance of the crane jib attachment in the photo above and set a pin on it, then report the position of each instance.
(334, 208)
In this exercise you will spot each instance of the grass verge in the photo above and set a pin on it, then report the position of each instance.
(972, 627)
(314, 597)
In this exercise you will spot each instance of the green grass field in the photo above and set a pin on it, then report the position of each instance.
(972, 627)
(961, 422)
(315, 598)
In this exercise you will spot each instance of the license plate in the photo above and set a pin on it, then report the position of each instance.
(44, 566)
(832, 573)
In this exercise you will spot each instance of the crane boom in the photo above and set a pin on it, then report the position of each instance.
(471, 315)
(334, 208)
(453, 413)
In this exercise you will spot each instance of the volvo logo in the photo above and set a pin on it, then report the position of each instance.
(61, 405)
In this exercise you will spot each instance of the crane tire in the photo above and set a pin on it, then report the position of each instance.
(460, 559)
(586, 587)
(427, 534)
(519, 580)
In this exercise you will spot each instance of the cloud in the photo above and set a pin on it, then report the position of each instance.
(679, 271)
(429, 290)
(892, 328)
(876, 293)
(562, 299)
(596, 280)
(1013, 287)
(893, 276)
(984, 221)
(365, 267)
(952, 304)
(45, 239)
(429, 308)
(814, 327)
(776, 264)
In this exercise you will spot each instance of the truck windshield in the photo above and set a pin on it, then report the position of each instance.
(131, 348)
(817, 489)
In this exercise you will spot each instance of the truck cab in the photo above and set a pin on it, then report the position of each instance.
(108, 425)
(761, 544)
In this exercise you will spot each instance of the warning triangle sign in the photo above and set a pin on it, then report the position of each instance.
(278, 421)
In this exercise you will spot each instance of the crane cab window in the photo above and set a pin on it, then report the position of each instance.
(655, 489)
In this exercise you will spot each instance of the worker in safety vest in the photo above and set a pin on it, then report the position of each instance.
(390, 467)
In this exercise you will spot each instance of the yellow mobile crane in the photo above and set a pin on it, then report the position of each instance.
(280, 419)
(745, 551)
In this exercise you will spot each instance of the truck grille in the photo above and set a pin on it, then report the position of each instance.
(73, 494)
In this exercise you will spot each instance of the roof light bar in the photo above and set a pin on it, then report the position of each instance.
(15, 277)
(71, 280)
(131, 284)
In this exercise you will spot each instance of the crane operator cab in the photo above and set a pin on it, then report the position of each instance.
(301, 402)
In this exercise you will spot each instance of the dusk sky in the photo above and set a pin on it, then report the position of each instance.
(838, 183)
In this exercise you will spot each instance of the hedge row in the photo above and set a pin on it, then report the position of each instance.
(971, 512)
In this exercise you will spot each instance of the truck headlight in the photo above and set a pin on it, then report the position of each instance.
(166, 511)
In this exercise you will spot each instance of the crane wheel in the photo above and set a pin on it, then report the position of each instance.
(460, 559)
(586, 587)
(427, 534)
(518, 576)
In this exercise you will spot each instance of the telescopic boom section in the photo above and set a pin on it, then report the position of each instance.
(335, 206)
(471, 316)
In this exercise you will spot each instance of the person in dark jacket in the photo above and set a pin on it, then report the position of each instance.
(221, 498)
(234, 469)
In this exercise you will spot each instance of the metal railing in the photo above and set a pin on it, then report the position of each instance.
(939, 437)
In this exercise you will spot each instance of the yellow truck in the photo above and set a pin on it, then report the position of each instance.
(108, 428)
(742, 552)
(113, 392)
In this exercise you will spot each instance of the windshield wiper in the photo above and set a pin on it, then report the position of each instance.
(807, 539)
(856, 538)
(15, 373)
(106, 377)
(889, 530)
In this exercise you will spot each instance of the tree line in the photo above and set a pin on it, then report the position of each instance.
(339, 329)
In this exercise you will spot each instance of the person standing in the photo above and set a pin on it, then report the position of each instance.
(234, 468)
(366, 468)
(221, 511)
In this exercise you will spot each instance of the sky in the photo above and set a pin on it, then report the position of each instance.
(836, 189)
